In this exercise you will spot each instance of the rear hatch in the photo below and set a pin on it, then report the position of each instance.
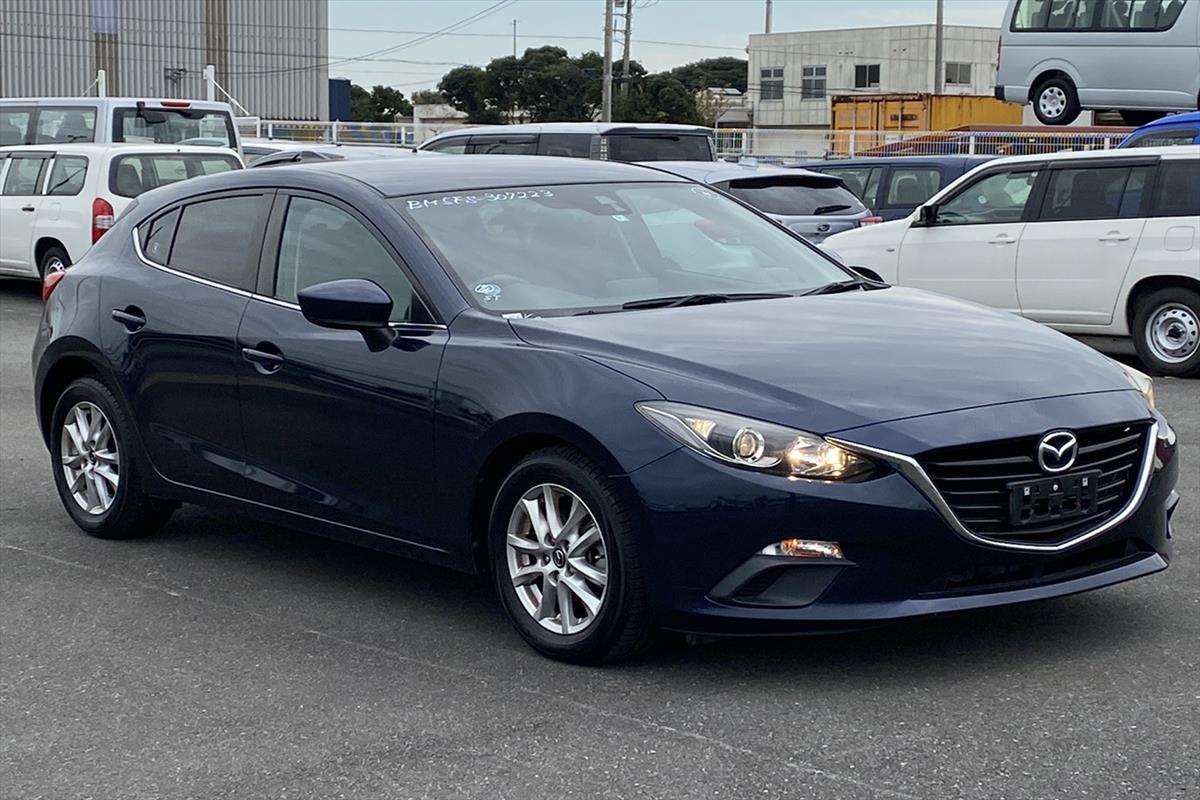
(814, 206)
(652, 145)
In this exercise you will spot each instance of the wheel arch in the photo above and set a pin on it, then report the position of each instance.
(1045, 71)
(1154, 283)
(43, 244)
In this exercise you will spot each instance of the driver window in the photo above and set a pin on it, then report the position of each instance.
(998, 198)
(322, 243)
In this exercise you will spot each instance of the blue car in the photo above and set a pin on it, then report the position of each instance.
(1176, 129)
(636, 404)
(894, 187)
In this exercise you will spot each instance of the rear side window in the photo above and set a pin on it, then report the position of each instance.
(658, 147)
(65, 125)
(24, 175)
(67, 175)
(912, 186)
(1166, 137)
(1109, 15)
(321, 242)
(571, 145)
(131, 175)
(795, 198)
(863, 181)
(504, 145)
(220, 239)
(157, 235)
(1094, 193)
(456, 146)
(1178, 190)
(14, 125)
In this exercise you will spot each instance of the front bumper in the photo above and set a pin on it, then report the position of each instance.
(704, 523)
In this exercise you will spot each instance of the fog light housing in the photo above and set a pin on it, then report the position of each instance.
(803, 548)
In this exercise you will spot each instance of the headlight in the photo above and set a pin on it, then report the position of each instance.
(1140, 380)
(754, 444)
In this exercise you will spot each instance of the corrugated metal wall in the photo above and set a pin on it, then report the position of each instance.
(269, 54)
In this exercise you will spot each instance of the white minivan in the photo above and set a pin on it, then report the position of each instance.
(1099, 243)
(1141, 57)
(55, 200)
(68, 120)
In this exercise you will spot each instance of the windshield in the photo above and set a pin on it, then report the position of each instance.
(131, 175)
(567, 249)
(796, 198)
(173, 126)
(659, 147)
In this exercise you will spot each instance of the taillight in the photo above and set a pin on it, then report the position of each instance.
(869, 221)
(50, 280)
(102, 217)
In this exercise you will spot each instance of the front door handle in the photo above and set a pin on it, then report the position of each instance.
(132, 317)
(1114, 236)
(29, 208)
(265, 357)
(1002, 238)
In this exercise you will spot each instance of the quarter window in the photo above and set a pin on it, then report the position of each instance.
(65, 125)
(770, 83)
(1094, 193)
(24, 175)
(156, 237)
(996, 198)
(67, 175)
(866, 76)
(1178, 190)
(958, 74)
(812, 84)
(323, 243)
(220, 239)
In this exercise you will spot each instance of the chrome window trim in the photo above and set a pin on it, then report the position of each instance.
(137, 248)
(910, 468)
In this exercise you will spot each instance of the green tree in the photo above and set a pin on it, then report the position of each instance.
(724, 71)
(656, 98)
(381, 104)
(427, 97)
(466, 89)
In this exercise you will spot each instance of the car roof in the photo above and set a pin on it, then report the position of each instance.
(1178, 151)
(87, 102)
(1190, 118)
(98, 148)
(571, 127)
(721, 171)
(396, 177)
(883, 160)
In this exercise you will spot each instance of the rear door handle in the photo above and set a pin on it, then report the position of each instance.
(29, 208)
(1002, 239)
(1114, 236)
(131, 317)
(265, 361)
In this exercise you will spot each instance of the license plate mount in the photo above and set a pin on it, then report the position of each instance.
(1061, 497)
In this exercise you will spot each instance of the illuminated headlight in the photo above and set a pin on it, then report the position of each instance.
(1140, 380)
(754, 444)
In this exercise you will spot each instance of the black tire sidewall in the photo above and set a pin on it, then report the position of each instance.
(1145, 309)
(592, 644)
(122, 508)
(1072, 110)
(50, 252)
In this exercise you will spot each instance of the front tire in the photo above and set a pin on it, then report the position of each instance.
(565, 562)
(1055, 102)
(95, 471)
(1166, 332)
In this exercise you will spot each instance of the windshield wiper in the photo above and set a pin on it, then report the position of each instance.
(674, 301)
(838, 286)
(819, 210)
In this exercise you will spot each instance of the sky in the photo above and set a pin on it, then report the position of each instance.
(666, 33)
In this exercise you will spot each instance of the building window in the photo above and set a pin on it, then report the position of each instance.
(866, 76)
(958, 74)
(770, 84)
(812, 85)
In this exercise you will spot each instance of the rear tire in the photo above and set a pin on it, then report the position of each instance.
(1166, 332)
(54, 259)
(95, 469)
(1055, 102)
(587, 536)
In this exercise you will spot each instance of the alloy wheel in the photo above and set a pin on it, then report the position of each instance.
(1173, 333)
(90, 458)
(557, 559)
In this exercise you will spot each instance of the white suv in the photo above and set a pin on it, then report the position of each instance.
(1101, 243)
(55, 200)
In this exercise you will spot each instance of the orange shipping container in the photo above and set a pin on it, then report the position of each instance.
(919, 112)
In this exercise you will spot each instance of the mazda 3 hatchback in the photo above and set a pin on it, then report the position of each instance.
(633, 402)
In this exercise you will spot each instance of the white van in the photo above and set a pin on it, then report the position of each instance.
(1141, 57)
(55, 200)
(68, 120)
(1104, 243)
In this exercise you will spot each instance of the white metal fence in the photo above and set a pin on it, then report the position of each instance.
(765, 144)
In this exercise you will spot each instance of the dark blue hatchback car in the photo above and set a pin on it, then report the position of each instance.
(634, 402)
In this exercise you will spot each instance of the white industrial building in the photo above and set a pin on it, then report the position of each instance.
(793, 75)
(271, 56)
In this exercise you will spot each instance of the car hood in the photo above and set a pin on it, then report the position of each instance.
(834, 362)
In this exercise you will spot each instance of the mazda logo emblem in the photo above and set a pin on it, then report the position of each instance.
(1056, 452)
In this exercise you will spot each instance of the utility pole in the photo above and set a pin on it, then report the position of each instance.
(767, 27)
(625, 55)
(939, 40)
(514, 38)
(606, 88)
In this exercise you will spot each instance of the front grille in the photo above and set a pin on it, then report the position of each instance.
(973, 480)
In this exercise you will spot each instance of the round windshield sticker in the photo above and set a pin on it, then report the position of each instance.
(488, 292)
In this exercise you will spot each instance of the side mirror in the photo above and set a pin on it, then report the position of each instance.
(351, 304)
(927, 215)
(868, 273)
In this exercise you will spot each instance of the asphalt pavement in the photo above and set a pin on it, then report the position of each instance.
(225, 658)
